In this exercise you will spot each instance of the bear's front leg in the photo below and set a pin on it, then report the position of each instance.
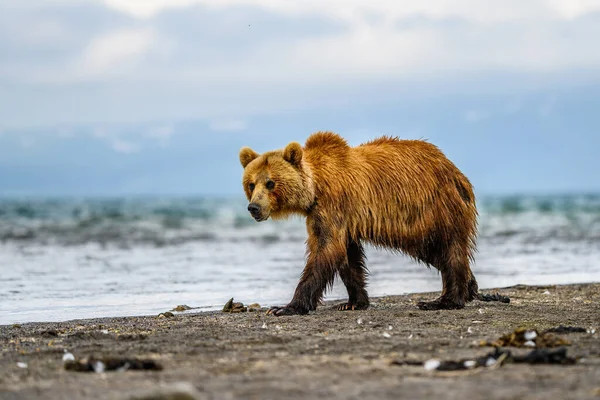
(326, 254)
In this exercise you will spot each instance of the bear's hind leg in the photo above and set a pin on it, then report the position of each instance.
(458, 282)
(354, 276)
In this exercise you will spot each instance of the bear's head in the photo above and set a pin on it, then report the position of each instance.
(277, 183)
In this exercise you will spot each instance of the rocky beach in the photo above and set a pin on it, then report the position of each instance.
(392, 350)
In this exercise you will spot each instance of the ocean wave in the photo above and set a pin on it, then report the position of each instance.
(172, 221)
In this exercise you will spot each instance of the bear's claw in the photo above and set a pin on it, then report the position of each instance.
(350, 307)
(279, 311)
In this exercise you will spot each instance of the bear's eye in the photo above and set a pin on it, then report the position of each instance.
(270, 185)
(251, 187)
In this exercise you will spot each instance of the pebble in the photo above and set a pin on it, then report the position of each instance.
(68, 357)
(431, 365)
(386, 335)
(490, 362)
(99, 367)
(470, 364)
(359, 321)
(264, 325)
(530, 335)
(22, 364)
(529, 343)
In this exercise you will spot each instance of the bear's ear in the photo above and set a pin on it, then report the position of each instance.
(293, 154)
(247, 155)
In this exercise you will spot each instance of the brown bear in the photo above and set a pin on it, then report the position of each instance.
(403, 195)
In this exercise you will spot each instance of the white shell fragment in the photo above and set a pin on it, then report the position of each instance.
(431, 365)
(390, 328)
(22, 365)
(530, 335)
(99, 367)
(529, 343)
(386, 335)
(469, 330)
(264, 325)
(490, 362)
(470, 364)
(410, 336)
(546, 292)
(359, 321)
(68, 357)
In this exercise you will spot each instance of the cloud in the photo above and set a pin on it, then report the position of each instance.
(390, 9)
(118, 52)
(133, 61)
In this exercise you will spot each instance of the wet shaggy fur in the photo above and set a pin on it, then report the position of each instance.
(403, 195)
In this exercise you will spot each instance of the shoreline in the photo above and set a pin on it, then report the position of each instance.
(217, 308)
(359, 354)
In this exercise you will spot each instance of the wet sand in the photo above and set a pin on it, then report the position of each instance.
(327, 354)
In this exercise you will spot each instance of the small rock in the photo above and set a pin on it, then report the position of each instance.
(491, 361)
(228, 306)
(410, 336)
(254, 307)
(50, 333)
(264, 325)
(167, 314)
(99, 367)
(546, 292)
(68, 357)
(470, 364)
(431, 365)
(390, 328)
(481, 311)
(529, 343)
(232, 307)
(469, 330)
(182, 307)
(22, 365)
(530, 335)
(386, 335)
(359, 321)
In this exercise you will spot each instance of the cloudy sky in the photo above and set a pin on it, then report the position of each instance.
(157, 96)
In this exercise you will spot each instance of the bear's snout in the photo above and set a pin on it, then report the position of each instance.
(255, 211)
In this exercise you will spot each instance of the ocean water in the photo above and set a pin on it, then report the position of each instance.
(63, 259)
